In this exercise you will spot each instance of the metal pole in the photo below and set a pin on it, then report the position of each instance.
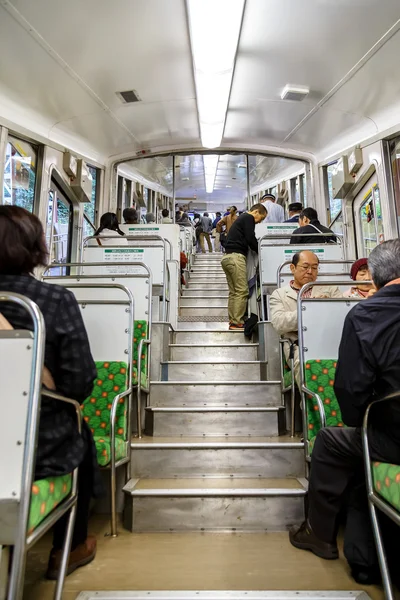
(248, 181)
(173, 188)
(3, 148)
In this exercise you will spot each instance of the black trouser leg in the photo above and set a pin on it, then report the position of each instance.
(336, 456)
(85, 487)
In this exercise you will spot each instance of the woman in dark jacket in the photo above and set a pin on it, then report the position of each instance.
(60, 447)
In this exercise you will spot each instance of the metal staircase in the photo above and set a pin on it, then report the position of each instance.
(215, 456)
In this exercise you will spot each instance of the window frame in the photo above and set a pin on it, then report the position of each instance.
(370, 197)
(6, 137)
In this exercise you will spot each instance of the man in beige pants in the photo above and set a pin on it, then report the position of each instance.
(241, 237)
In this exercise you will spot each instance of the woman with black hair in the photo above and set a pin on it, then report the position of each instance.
(108, 229)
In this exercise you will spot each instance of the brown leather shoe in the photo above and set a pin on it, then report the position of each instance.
(304, 538)
(81, 556)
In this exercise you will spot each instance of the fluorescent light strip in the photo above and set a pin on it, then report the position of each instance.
(210, 170)
(214, 35)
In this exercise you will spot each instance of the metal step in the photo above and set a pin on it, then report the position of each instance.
(208, 270)
(207, 336)
(201, 311)
(213, 371)
(194, 292)
(193, 323)
(206, 286)
(197, 457)
(208, 352)
(216, 504)
(219, 393)
(194, 301)
(212, 421)
(202, 277)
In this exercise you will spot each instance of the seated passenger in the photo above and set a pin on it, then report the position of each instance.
(166, 219)
(109, 228)
(131, 216)
(359, 273)
(367, 369)
(150, 218)
(309, 229)
(60, 447)
(294, 212)
(283, 301)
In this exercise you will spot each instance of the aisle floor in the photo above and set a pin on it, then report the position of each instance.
(192, 561)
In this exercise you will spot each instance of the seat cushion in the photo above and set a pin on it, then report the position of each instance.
(103, 447)
(141, 330)
(320, 377)
(112, 379)
(386, 480)
(47, 494)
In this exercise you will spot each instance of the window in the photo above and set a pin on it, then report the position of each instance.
(59, 228)
(371, 221)
(335, 204)
(395, 160)
(20, 173)
(90, 208)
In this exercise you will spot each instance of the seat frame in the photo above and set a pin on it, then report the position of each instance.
(24, 540)
(375, 501)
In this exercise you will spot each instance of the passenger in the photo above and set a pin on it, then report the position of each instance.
(241, 237)
(276, 214)
(283, 302)
(205, 233)
(359, 272)
(216, 234)
(294, 212)
(109, 226)
(60, 447)
(310, 225)
(185, 220)
(367, 370)
(130, 216)
(166, 219)
(150, 218)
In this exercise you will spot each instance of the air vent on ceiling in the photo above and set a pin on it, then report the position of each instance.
(129, 96)
(295, 92)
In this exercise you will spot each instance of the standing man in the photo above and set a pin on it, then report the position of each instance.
(217, 244)
(205, 232)
(275, 211)
(294, 212)
(241, 237)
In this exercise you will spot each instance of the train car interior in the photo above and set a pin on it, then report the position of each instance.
(140, 138)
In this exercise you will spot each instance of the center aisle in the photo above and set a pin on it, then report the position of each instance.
(218, 457)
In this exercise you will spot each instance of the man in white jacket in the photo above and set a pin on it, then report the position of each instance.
(276, 214)
(283, 301)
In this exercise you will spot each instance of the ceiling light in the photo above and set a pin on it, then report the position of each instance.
(214, 34)
(210, 169)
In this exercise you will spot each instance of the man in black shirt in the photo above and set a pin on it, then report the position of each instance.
(310, 228)
(241, 238)
(367, 370)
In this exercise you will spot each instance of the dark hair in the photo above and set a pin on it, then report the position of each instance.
(269, 196)
(22, 242)
(130, 216)
(310, 213)
(184, 217)
(295, 207)
(165, 212)
(109, 221)
(296, 257)
(177, 216)
(205, 214)
(233, 209)
(218, 214)
(260, 208)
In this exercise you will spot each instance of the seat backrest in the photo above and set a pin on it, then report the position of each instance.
(169, 232)
(320, 331)
(272, 256)
(272, 230)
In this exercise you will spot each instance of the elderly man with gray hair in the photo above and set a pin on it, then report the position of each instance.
(368, 369)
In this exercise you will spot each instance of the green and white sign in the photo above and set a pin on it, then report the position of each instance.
(320, 252)
(144, 230)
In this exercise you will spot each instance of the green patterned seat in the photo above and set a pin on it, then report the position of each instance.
(319, 378)
(47, 494)
(141, 330)
(287, 379)
(386, 480)
(112, 379)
